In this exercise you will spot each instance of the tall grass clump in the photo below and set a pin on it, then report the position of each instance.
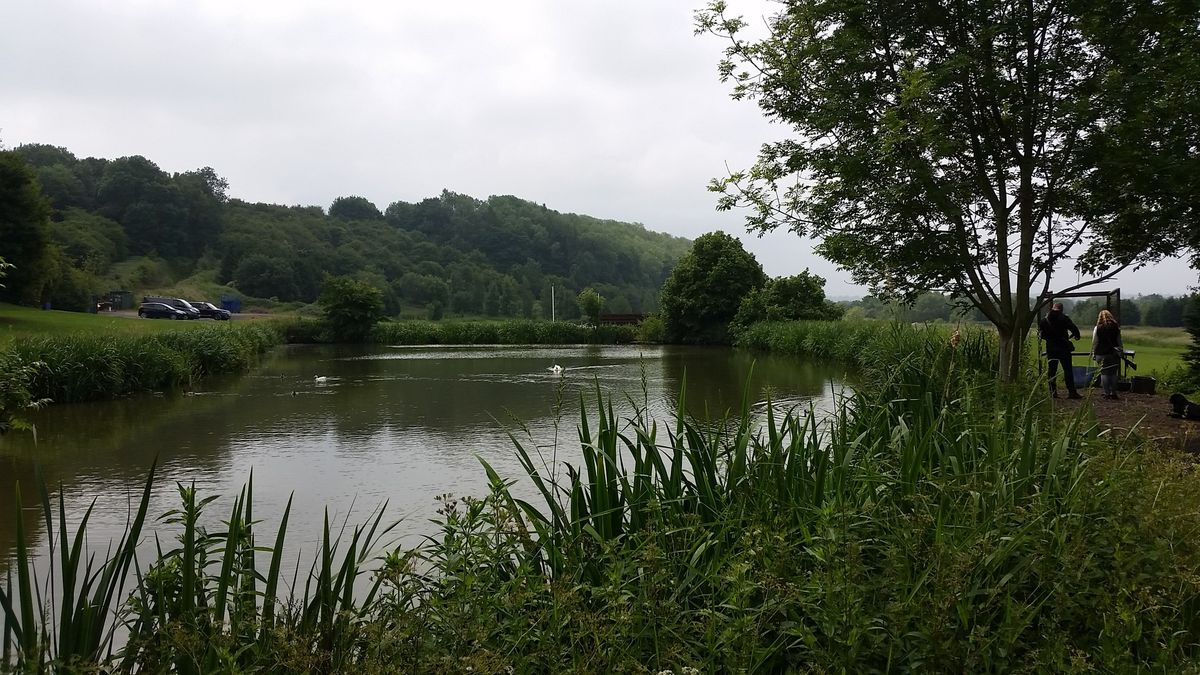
(204, 605)
(303, 330)
(65, 620)
(875, 347)
(84, 367)
(16, 399)
(951, 530)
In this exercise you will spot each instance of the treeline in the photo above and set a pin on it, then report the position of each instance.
(1142, 310)
(499, 257)
(451, 253)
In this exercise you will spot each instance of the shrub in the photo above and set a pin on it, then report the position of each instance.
(591, 303)
(652, 330)
(351, 308)
(16, 398)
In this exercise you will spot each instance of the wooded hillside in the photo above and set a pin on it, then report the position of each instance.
(127, 223)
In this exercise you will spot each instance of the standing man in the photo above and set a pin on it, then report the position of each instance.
(1058, 330)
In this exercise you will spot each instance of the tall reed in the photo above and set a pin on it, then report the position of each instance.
(949, 529)
(83, 367)
(205, 606)
(876, 346)
(68, 623)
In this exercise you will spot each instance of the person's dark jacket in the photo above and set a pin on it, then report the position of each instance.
(1107, 340)
(1058, 330)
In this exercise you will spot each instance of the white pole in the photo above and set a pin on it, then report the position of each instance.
(552, 303)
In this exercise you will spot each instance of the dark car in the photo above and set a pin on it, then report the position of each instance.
(158, 310)
(177, 303)
(211, 311)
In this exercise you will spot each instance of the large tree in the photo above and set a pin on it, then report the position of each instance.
(354, 208)
(147, 203)
(972, 147)
(591, 303)
(795, 298)
(351, 307)
(24, 237)
(705, 289)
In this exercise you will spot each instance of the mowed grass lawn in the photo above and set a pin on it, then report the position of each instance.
(1158, 350)
(16, 322)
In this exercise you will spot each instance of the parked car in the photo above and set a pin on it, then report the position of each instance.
(158, 310)
(177, 303)
(211, 311)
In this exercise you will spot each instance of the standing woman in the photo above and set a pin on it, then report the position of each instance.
(1107, 350)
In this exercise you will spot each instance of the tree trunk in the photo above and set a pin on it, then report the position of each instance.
(1006, 360)
(1012, 352)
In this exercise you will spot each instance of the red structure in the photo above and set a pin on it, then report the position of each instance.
(622, 319)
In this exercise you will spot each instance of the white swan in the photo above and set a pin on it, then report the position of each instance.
(556, 369)
(320, 379)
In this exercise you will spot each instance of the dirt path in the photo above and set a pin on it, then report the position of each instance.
(1143, 412)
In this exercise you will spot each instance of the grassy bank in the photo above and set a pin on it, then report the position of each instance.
(96, 365)
(22, 322)
(931, 524)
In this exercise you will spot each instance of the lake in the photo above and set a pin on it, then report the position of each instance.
(349, 428)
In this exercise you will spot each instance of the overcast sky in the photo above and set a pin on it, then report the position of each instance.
(611, 109)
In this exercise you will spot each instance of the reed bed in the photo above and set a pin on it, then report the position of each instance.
(874, 347)
(506, 332)
(933, 523)
(451, 332)
(84, 367)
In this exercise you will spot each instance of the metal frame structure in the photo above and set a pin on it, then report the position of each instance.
(1109, 304)
(1108, 296)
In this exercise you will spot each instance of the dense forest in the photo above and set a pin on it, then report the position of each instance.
(126, 223)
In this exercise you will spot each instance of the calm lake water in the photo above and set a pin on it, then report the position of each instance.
(400, 425)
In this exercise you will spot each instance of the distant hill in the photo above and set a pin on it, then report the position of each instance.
(125, 222)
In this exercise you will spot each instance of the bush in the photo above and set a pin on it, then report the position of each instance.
(16, 383)
(591, 303)
(351, 308)
(652, 329)
(706, 287)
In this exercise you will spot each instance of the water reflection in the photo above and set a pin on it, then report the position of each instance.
(343, 426)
